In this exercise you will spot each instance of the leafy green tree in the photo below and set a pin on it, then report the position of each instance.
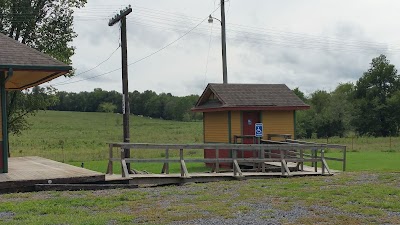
(304, 118)
(328, 116)
(320, 100)
(394, 106)
(300, 94)
(340, 109)
(304, 123)
(374, 91)
(28, 103)
(107, 107)
(45, 25)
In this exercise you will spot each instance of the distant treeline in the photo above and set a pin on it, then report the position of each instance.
(148, 103)
(369, 107)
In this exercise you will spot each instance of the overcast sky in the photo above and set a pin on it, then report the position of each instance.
(308, 44)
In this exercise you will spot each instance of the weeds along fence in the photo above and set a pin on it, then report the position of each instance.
(282, 154)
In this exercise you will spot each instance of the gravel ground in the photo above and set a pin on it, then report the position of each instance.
(6, 215)
(245, 202)
(259, 214)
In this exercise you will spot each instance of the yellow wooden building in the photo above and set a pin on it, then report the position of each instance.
(230, 112)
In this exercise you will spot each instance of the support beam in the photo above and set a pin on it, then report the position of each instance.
(237, 172)
(125, 172)
(4, 134)
(285, 167)
(10, 73)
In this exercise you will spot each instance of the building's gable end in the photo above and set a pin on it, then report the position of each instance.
(209, 98)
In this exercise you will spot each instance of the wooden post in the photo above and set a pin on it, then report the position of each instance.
(181, 159)
(352, 143)
(302, 157)
(124, 167)
(110, 161)
(282, 167)
(237, 170)
(165, 168)
(3, 124)
(315, 157)
(322, 162)
(262, 153)
(184, 171)
(125, 93)
(344, 158)
(217, 160)
(233, 151)
(255, 165)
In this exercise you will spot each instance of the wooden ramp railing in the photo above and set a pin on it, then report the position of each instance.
(266, 153)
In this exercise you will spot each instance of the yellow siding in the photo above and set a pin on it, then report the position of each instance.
(278, 122)
(216, 127)
(236, 128)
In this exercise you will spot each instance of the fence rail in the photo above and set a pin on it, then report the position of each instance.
(262, 153)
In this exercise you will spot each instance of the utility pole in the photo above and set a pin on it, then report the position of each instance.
(223, 37)
(125, 94)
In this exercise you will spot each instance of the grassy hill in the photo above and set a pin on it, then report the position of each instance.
(83, 136)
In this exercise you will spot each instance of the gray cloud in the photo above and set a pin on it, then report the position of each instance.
(311, 45)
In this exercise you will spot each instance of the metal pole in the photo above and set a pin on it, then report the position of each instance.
(223, 39)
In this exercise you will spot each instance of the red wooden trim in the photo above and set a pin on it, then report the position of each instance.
(251, 108)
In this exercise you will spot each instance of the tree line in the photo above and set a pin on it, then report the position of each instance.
(370, 107)
(148, 103)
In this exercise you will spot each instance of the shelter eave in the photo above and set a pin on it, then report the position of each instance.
(250, 108)
(35, 67)
(20, 77)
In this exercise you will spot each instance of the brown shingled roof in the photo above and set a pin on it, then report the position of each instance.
(30, 67)
(249, 97)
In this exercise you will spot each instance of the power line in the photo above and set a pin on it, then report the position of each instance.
(282, 38)
(60, 83)
(155, 17)
(145, 57)
(89, 78)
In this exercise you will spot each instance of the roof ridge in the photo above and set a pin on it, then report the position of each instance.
(216, 94)
(251, 95)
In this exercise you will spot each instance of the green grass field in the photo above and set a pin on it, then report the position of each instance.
(76, 137)
(370, 195)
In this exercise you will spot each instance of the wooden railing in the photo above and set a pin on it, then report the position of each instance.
(294, 152)
(341, 147)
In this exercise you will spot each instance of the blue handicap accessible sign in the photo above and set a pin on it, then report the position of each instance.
(259, 130)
